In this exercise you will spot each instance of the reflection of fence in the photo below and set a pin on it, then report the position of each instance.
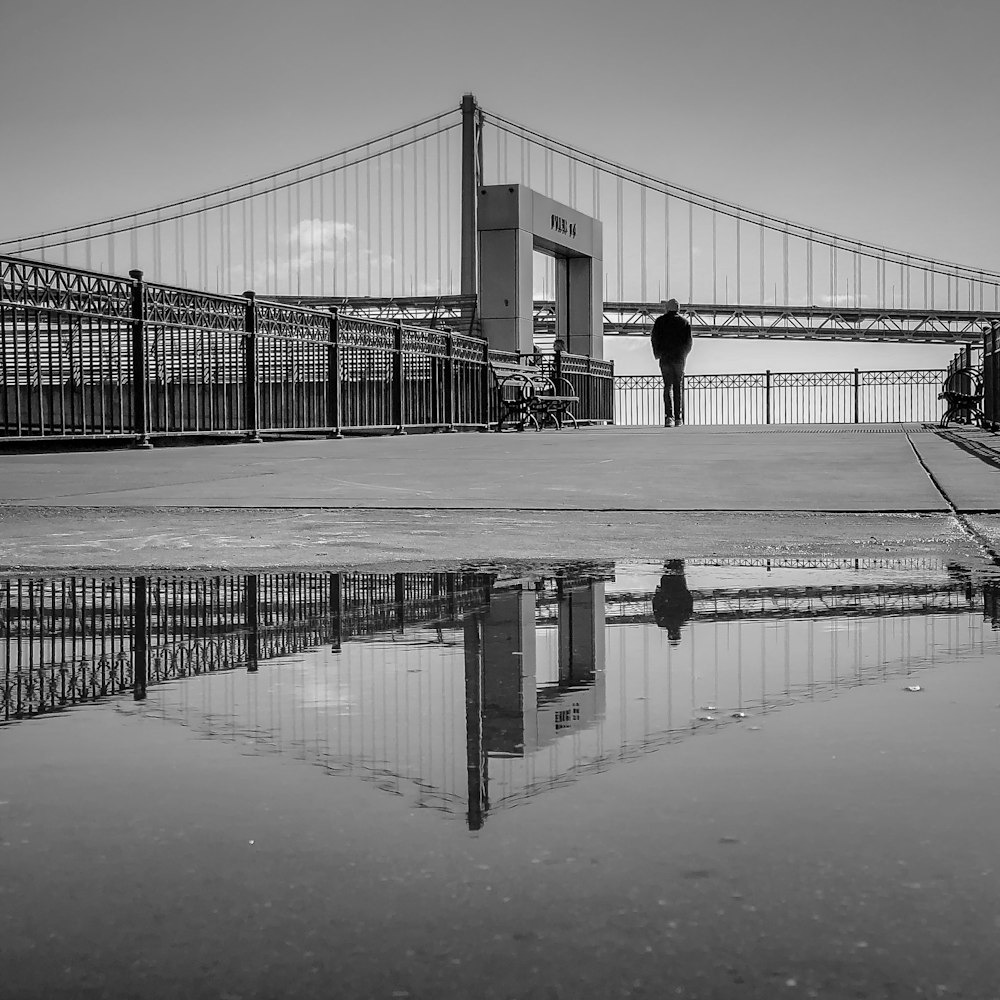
(88, 355)
(787, 398)
(418, 712)
(77, 639)
(991, 603)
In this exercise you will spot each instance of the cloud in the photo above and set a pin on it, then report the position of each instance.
(315, 254)
(844, 300)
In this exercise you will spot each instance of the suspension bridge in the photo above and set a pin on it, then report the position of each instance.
(388, 228)
(375, 288)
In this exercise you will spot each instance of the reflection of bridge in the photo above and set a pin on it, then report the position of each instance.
(804, 602)
(73, 640)
(468, 693)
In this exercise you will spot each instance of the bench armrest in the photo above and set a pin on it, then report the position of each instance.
(562, 387)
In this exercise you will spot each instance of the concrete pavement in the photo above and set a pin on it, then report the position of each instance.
(438, 496)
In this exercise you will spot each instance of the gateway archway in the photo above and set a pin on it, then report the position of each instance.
(513, 222)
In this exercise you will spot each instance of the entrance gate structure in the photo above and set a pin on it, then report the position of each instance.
(512, 222)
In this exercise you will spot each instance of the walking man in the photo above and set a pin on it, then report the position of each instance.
(671, 342)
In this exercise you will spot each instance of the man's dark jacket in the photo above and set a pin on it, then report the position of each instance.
(671, 337)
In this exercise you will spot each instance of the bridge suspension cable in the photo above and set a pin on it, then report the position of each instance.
(368, 220)
(384, 219)
(712, 258)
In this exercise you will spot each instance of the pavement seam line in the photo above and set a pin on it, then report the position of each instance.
(963, 523)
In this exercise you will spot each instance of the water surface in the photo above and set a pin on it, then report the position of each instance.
(675, 778)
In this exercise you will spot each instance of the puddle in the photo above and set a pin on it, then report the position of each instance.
(703, 748)
(472, 691)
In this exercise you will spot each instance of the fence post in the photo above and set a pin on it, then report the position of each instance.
(250, 367)
(450, 388)
(140, 638)
(590, 406)
(337, 611)
(767, 396)
(252, 622)
(398, 401)
(857, 397)
(140, 389)
(486, 383)
(333, 377)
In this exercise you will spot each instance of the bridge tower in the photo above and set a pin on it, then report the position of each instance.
(502, 226)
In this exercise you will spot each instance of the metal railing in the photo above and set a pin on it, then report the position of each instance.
(787, 398)
(87, 355)
(991, 377)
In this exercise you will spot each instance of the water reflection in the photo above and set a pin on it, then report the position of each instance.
(471, 692)
(673, 604)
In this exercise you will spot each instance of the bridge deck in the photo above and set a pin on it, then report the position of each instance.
(782, 322)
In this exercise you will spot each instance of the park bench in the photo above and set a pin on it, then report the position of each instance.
(526, 395)
(962, 392)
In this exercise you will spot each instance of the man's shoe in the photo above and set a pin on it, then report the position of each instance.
(678, 423)
(669, 422)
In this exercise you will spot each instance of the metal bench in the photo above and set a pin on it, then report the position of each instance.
(962, 392)
(526, 395)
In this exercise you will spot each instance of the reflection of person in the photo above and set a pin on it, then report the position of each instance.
(670, 339)
(672, 601)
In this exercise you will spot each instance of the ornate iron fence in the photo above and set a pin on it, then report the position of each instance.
(87, 355)
(991, 376)
(787, 397)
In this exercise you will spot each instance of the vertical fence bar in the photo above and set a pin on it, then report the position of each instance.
(449, 383)
(486, 384)
(767, 395)
(857, 396)
(140, 418)
(250, 384)
(333, 407)
(398, 397)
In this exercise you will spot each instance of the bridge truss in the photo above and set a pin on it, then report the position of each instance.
(635, 319)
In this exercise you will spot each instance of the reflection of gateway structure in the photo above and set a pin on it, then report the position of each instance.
(468, 693)
(512, 710)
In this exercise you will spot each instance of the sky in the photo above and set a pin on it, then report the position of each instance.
(873, 118)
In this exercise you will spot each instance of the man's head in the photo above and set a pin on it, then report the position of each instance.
(670, 305)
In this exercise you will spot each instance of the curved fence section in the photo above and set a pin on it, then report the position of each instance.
(991, 376)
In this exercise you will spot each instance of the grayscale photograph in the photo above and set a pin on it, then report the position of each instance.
(499, 502)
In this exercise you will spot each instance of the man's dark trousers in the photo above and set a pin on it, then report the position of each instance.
(673, 385)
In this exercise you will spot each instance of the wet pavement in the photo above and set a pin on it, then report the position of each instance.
(695, 778)
(599, 492)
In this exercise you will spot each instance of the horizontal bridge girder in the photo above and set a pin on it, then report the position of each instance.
(804, 322)
(778, 322)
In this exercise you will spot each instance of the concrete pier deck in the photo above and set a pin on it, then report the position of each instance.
(437, 497)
